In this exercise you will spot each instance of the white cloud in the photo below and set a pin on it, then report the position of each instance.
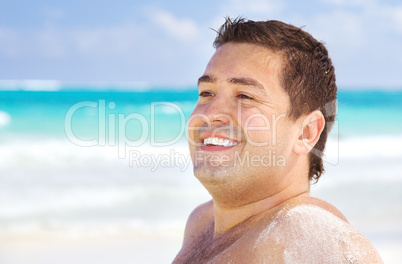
(182, 29)
(45, 42)
(50, 43)
(391, 17)
(355, 31)
(339, 28)
(167, 47)
(375, 14)
(106, 41)
(351, 25)
(398, 19)
(57, 43)
(366, 35)
(349, 3)
(250, 9)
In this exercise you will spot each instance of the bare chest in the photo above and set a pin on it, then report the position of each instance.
(211, 252)
(234, 248)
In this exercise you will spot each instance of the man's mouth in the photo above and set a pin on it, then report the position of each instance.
(214, 141)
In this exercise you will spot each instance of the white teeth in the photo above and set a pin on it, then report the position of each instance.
(219, 142)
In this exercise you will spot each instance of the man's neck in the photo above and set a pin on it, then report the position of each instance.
(226, 217)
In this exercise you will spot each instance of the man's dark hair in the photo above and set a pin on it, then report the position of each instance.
(308, 75)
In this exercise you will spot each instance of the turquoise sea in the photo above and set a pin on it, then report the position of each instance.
(81, 162)
(42, 113)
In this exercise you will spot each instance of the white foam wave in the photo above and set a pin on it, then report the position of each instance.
(54, 152)
(59, 153)
(55, 199)
(45, 178)
(30, 85)
(58, 187)
(364, 147)
(93, 228)
(5, 118)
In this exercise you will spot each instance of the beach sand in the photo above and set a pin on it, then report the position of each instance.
(160, 248)
(371, 205)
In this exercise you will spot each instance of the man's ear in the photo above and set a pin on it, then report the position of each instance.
(312, 126)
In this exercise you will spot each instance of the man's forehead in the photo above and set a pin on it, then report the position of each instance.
(244, 64)
(249, 50)
(247, 57)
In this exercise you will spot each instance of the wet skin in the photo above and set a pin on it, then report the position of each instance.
(242, 112)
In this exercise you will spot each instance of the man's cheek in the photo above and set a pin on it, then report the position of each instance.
(257, 130)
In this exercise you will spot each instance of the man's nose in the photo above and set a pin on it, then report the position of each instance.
(219, 110)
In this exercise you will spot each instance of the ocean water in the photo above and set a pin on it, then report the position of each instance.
(94, 163)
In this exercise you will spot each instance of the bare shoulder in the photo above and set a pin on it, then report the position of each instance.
(197, 227)
(198, 221)
(308, 200)
(309, 230)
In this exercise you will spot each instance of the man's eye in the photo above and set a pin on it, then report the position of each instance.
(244, 96)
(206, 94)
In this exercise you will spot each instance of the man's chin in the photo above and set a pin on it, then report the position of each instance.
(213, 174)
(215, 160)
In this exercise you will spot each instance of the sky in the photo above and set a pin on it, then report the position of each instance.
(168, 43)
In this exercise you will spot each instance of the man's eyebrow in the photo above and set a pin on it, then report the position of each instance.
(206, 79)
(248, 82)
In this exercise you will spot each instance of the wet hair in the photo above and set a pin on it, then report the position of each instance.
(308, 76)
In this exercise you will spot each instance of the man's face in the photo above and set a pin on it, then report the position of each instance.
(240, 132)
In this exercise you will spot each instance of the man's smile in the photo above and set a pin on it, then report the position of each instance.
(215, 141)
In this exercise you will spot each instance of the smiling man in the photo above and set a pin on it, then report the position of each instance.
(266, 103)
